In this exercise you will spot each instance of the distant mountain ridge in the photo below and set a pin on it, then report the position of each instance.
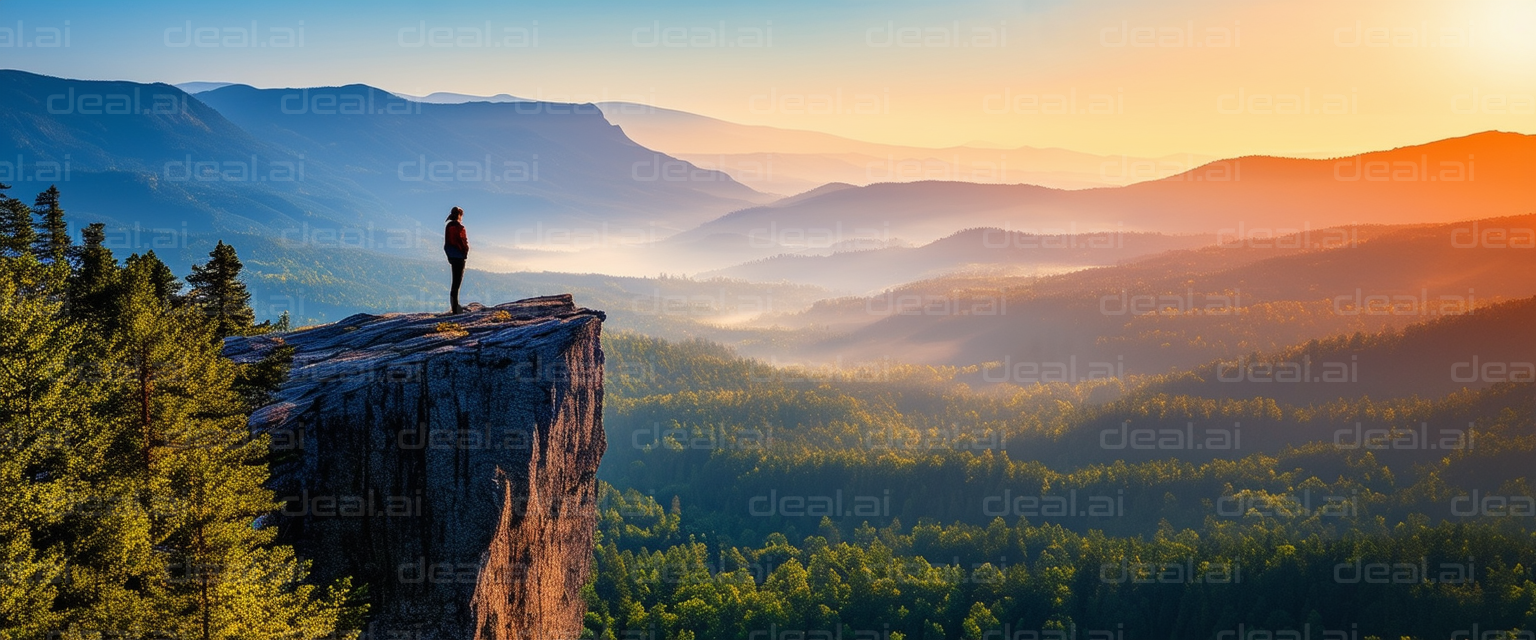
(1238, 201)
(985, 251)
(1183, 309)
(514, 164)
(1481, 175)
(151, 156)
(1445, 354)
(790, 161)
(195, 88)
(448, 97)
(341, 160)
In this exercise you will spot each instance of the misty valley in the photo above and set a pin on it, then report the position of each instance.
(745, 378)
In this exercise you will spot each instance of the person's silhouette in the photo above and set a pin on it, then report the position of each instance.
(456, 245)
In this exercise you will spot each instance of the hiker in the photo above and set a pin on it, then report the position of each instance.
(456, 245)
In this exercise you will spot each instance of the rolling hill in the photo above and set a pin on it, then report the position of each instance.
(286, 162)
(974, 251)
(1182, 309)
(1483, 175)
(149, 156)
(516, 165)
(1491, 345)
(788, 161)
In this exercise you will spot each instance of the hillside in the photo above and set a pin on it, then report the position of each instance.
(973, 251)
(789, 161)
(1477, 176)
(520, 166)
(128, 153)
(1185, 308)
(1443, 355)
(348, 167)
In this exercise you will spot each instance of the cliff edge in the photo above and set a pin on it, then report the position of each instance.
(447, 462)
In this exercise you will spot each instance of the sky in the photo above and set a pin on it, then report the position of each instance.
(1230, 77)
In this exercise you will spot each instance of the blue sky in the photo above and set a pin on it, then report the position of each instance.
(966, 70)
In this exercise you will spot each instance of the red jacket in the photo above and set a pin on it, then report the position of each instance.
(455, 241)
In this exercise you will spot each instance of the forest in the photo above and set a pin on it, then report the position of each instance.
(135, 496)
(1048, 511)
(743, 500)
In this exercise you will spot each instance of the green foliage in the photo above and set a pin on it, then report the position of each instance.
(219, 293)
(1000, 579)
(91, 284)
(156, 276)
(52, 243)
(41, 425)
(719, 435)
(257, 381)
(135, 503)
(16, 233)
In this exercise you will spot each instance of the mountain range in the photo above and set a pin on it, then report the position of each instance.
(515, 165)
(789, 161)
(1181, 309)
(339, 160)
(1491, 345)
(149, 156)
(327, 180)
(1481, 175)
(975, 252)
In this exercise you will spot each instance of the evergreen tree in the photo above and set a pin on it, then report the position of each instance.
(35, 399)
(218, 291)
(258, 380)
(134, 500)
(92, 281)
(223, 577)
(52, 241)
(79, 513)
(16, 234)
(161, 281)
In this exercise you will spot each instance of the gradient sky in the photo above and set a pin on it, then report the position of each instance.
(1220, 77)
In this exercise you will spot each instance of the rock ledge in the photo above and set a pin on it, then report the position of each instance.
(447, 461)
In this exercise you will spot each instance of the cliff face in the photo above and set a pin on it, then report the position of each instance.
(452, 471)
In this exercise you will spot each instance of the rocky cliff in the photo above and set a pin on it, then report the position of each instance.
(450, 467)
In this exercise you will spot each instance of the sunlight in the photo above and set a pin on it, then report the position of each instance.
(1506, 31)
(690, 320)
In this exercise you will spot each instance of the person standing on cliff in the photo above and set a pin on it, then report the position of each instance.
(456, 245)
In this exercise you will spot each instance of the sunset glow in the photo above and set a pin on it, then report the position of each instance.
(1190, 76)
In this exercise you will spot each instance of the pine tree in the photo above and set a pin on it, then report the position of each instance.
(16, 234)
(134, 500)
(218, 291)
(35, 396)
(52, 241)
(258, 381)
(227, 579)
(79, 516)
(161, 281)
(223, 577)
(91, 284)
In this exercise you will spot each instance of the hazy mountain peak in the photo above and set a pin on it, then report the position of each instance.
(449, 97)
(195, 88)
(830, 187)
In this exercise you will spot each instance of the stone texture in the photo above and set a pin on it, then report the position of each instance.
(452, 469)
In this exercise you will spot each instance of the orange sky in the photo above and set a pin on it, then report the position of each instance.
(1219, 77)
(1214, 77)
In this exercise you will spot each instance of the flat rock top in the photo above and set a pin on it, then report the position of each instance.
(362, 347)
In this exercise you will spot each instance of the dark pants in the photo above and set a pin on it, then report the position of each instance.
(458, 279)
